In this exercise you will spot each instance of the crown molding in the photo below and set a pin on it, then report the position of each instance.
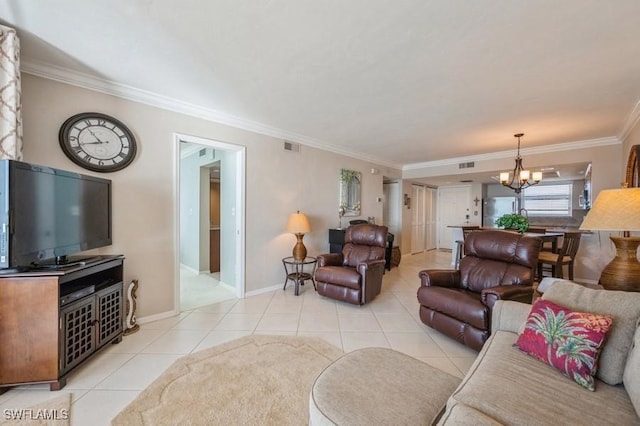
(632, 122)
(97, 84)
(566, 146)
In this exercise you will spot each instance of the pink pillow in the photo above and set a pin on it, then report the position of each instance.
(568, 341)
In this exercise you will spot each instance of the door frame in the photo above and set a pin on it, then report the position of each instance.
(240, 206)
(418, 194)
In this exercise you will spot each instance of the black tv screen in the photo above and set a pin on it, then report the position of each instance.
(53, 213)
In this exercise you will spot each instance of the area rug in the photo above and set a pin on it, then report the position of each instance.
(53, 412)
(253, 380)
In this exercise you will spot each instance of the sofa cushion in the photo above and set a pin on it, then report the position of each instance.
(513, 388)
(631, 376)
(567, 340)
(463, 415)
(623, 306)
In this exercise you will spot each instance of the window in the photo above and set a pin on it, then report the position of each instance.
(548, 200)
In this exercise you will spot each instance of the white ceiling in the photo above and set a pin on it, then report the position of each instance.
(400, 82)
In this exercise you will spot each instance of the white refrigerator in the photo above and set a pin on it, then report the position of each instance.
(494, 207)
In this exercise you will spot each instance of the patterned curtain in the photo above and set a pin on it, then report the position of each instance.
(10, 108)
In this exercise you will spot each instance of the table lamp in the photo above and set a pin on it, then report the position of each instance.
(298, 224)
(618, 210)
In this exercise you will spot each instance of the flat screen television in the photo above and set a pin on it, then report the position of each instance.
(48, 214)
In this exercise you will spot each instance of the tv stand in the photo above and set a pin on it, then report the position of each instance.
(52, 321)
(64, 262)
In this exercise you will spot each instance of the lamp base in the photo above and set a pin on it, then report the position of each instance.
(623, 272)
(299, 250)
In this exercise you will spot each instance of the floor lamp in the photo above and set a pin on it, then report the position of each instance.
(618, 210)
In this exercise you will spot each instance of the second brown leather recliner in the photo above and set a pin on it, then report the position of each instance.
(355, 275)
(497, 265)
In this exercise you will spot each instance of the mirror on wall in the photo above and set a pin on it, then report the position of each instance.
(350, 181)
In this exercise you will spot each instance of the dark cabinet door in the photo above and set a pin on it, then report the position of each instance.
(109, 304)
(78, 332)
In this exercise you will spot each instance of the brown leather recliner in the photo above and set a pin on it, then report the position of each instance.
(497, 265)
(355, 275)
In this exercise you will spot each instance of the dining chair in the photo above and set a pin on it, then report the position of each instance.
(460, 243)
(565, 256)
(538, 230)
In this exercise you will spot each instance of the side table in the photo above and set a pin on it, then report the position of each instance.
(295, 271)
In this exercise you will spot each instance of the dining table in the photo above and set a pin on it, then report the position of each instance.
(547, 237)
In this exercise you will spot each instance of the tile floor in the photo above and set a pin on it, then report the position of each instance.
(112, 379)
(197, 290)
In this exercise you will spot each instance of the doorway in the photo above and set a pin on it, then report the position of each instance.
(391, 208)
(209, 206)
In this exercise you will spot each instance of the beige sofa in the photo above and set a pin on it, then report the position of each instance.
(505, 386)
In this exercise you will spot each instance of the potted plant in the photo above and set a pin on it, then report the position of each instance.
(514, 221)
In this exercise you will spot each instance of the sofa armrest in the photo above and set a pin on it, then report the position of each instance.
(508, 315)
(518, 293)
(440, 278)
(330, 259)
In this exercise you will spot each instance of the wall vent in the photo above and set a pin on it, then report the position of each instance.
(207, 152)
(291, 146)
(468, 165)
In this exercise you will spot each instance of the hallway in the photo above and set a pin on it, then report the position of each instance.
(198, 290)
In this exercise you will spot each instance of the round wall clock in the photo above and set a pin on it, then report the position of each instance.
(97, 142)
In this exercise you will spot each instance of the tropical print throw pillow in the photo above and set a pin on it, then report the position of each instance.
(568, 341)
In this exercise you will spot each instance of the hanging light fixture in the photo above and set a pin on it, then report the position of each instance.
(521, 178)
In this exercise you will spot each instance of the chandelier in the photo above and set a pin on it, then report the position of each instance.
(521, 178)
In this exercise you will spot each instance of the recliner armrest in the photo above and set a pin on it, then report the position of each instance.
(440, 278)
(330, 259)
(518, 293)
(371, 272)
(364, 266)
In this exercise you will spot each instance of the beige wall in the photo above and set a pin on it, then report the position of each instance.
(278, 183)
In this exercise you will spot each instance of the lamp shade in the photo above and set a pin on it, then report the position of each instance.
(614, 210)
(298, 224)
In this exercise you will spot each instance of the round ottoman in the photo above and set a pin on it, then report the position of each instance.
(379, 386)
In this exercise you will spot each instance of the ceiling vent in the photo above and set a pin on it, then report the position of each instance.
(467, 165)
(550, 175)
(291, 146)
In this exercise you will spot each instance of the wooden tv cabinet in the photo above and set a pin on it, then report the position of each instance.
(51, 321)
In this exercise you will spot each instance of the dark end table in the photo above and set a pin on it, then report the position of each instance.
(295, 271)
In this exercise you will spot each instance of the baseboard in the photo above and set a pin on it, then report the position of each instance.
(156, 317)
(190, 269)
(227, 286)
(263, 290)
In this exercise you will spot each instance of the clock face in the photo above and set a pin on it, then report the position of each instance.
(97, 142)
